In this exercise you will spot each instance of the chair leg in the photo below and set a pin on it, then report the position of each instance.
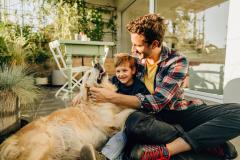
(75, 83)
(61, 89)
(65, 89)
(78, 83)
(75, 80)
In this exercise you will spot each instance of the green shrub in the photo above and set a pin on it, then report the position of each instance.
(16, 81)
(3, 46)
(39, 57)
(5, 58)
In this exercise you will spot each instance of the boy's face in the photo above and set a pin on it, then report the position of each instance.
(125, 74)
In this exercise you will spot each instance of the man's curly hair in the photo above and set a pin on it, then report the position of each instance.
(151, 26)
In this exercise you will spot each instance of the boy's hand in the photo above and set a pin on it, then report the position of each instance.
(101, 94)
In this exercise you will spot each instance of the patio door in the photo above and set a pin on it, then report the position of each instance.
(199, 30)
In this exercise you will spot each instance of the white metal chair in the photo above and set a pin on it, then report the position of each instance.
(59, 59)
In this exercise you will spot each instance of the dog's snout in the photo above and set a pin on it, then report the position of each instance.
(99, 67)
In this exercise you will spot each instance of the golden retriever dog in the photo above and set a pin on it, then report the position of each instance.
(62, 134)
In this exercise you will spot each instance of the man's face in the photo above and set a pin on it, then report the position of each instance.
(140, 48)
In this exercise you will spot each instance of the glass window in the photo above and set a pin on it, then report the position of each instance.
(199, 31)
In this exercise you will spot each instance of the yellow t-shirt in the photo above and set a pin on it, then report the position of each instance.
(150, 76)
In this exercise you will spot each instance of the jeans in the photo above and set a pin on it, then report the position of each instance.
(200, 126)
(114, 147)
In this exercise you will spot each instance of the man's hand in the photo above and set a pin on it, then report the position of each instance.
(76, 100)
(107, 95)
(101, 94)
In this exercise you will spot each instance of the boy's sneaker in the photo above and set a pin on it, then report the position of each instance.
(146, 152)
(89, 153)
(225, 150)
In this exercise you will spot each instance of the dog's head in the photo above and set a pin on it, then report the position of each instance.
(95, 77)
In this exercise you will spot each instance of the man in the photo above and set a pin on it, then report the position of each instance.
(175, 125)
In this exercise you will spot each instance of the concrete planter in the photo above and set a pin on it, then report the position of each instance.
(57, 78)
(41, 80)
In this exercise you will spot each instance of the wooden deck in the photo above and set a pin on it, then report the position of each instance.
(46, 104)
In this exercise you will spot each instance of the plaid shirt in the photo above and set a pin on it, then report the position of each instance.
(168, 94)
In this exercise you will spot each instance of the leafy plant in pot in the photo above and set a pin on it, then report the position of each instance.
(40, 62)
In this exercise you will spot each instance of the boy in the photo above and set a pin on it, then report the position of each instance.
(125, 79)
(126, 83)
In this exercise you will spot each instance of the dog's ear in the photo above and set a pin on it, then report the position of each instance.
(95, 61)
(84, 89)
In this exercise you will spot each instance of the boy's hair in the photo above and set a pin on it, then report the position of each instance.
(151, 26)
(124, 58)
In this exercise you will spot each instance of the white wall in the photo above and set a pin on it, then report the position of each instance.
(232, 61)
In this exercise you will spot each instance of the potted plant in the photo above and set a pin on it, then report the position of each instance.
(40, 63)
(16, 87)
(42, 59)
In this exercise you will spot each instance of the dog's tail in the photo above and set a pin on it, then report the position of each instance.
(9, 149)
